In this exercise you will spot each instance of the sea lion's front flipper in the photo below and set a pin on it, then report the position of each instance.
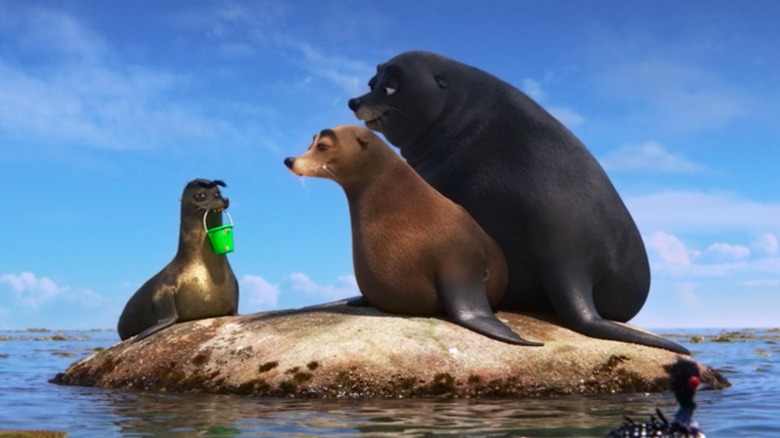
(164, 304)
(465, 302)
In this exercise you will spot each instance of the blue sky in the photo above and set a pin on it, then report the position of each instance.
(108, 108)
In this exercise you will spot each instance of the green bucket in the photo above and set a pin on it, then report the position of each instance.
(221, 237)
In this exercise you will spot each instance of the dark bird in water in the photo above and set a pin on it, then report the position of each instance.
(684, 379)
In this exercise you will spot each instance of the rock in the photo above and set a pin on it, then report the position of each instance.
(339, 351)
(31, 434)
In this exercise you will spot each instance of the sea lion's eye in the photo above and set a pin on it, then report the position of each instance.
(390, 91)
(200, 196)
(322, 147)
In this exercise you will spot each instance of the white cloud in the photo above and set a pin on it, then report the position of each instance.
(226, 20)
(59, 35)
(686, 293)
(767, 244)
(725, 251)
(345, 287)
(534, 89)
(650, 156)
(244, 29)
(566, 116)
(714, 303)
(82, 96)
(32, 291)
(94, 106)
(668, 255)
(680, 96)
(762, 283)
(667, 250)
(259, 293)
(699, 212)
(348, 74)
(766, 265)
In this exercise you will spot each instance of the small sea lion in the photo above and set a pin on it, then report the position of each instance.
(570, 243)
(415, 252)
(197, 283)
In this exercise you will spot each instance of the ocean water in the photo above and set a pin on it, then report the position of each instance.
(750, 359)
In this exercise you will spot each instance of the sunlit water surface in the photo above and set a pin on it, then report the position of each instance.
(750, 408)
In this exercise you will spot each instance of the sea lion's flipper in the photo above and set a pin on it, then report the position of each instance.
(354, 301)
(164, 304)
(572, 298)
(234, 310)
(154, 329)
(465, 302)
(358, 302)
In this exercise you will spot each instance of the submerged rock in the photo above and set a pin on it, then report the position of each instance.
(31, 434)
(339, 351)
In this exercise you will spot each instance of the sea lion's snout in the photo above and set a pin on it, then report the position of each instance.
(222, 204)
(305, 165)
(290, 163)
(320, 157)
(368, 113)
(354, 103)
(362, 112)
(218, 209)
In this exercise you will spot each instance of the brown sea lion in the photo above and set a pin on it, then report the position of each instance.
(415, 252)
(198, 283)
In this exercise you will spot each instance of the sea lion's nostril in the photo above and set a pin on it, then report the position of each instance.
(354, 104)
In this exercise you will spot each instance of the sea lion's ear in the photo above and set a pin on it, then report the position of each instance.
(440, 80)
(363, 138)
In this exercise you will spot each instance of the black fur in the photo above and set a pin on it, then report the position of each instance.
(205, 183)
(570, 243)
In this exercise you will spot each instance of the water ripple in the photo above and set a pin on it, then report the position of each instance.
(27, 401)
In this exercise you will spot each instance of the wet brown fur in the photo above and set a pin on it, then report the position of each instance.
(414, 250)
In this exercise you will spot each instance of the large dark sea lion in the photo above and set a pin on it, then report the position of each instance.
(198, 283)
(570, 243)
(414, 251)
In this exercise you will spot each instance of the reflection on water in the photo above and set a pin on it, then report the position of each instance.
(140, 414)
(27, 401)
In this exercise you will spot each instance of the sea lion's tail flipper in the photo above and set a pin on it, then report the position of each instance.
(465, 303)
(358, 302)
(164, 304)
(573, 301)
(605, 329)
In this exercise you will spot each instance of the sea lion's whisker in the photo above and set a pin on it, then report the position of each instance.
(330, 172)
(391, 108)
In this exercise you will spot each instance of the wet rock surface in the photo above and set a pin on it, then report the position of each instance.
(340, 351)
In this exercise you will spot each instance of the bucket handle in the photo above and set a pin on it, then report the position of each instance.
(207, 213)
